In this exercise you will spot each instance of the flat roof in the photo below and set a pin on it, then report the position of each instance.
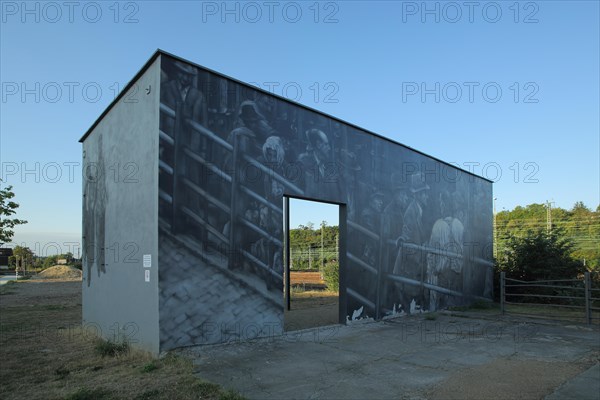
(159, 52)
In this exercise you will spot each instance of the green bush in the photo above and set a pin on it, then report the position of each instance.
(539, 255)
(331, 275)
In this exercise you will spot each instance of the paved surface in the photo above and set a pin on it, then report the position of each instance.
(411, 358)
(585, 386)
(6, 278)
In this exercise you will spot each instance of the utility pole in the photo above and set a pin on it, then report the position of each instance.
(322, 254)
(549, 216)
(495, 233)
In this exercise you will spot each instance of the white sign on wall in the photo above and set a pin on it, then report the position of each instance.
(147, 260)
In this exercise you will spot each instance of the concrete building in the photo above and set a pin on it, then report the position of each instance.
(187, 177)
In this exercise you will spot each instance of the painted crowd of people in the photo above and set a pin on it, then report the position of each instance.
(271, 148)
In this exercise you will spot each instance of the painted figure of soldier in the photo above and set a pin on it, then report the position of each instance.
(410, 261)
(189, 104)
(317, 166)
(392, 229)
(181, 91)
(370, 218)
(253, 129)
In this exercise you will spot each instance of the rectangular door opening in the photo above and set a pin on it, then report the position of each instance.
(312, 263)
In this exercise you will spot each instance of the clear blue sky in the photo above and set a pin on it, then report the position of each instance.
(539, 140)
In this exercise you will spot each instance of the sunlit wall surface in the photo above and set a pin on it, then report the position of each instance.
(419, 231)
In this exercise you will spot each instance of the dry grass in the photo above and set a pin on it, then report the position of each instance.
(302, 277)
(531, 311)
(60, 272)
(311, 309)
(313, 298)
(552, 313)
(45, 354)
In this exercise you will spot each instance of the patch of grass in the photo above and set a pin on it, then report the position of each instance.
(61, 372)
(484, 305)
(431, 316)
(149, 395)
(53, 307)
(458, 308)
(552, 313)
(46, 353)
(297, 289)
(477, 305)
(316, 294)
(231, 395)
(151, 366)
(89, 394)
(107, 348)
(206, 389)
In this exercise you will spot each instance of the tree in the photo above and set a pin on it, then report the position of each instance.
(7, 209)
(68, 256)
(580, 207)
(580, 224)
(22, 256)
(541, 255)
(50, 261)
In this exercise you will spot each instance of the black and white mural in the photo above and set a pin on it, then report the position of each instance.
(419, 230)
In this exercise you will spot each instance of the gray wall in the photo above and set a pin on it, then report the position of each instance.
(120, 211)
(419, 230)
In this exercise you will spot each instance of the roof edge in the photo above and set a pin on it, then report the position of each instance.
(166, 53)
(125, 90)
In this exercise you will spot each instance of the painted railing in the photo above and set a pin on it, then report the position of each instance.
(182, 186)
(389, 251)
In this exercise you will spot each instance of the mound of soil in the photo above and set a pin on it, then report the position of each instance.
(60, 272)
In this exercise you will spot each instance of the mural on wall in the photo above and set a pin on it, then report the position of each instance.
(229, 153)
(94, 211)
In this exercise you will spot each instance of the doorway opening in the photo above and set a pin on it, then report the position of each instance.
(312, 263)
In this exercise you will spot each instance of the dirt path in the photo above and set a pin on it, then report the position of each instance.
(311, 309)
(507, 378)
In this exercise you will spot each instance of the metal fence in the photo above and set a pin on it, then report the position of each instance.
(578, 294)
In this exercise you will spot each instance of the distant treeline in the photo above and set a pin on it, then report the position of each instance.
(580, 224)
(313, 247)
